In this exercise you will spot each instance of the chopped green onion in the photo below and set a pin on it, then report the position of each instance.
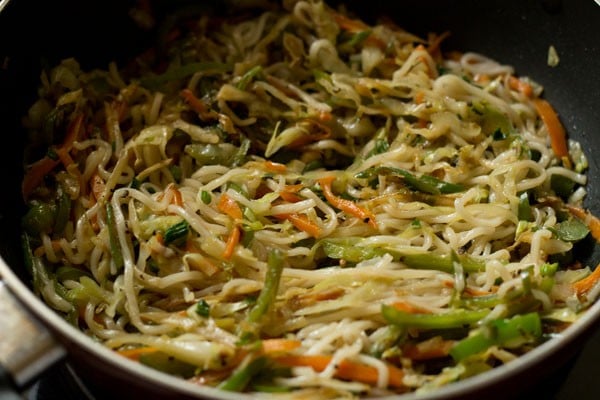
(203, 308)
(177, 234)
(206, 197)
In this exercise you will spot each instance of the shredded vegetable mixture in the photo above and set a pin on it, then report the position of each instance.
(298, 201)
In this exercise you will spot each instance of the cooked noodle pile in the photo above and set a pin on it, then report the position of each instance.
(298, 201)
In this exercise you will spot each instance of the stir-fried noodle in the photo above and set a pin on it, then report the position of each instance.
(300, 201)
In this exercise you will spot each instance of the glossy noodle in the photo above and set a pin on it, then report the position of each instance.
(298, 201)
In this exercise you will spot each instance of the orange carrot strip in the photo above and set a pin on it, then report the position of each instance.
(35, 175)
(229, 206)
(520, 86)
(290, 197)
(293, 188)
(39, 169)
(64, 156)
(409, 308)
(177, 198)
(160, 238)
(346, 369)
(197, 105)
(275, 167)
(134, 354)
(325, 116)
(586, 284)
(481, 78)
(345, 205)
(302, 222)
(232, 241)
(419, 97)
(558, 136)
(279, 345)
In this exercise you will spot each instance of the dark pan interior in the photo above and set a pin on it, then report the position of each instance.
(519, 33)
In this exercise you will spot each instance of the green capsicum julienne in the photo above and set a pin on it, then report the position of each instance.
(267, 294)
(509, 332)
(423, 183)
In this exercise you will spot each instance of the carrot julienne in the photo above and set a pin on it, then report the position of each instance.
(303, 223)
(558, 136)
(345, 205)
(232, 240)
(346, 369)
(229, 206)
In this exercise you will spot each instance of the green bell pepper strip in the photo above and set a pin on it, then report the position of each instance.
(243, 375)
(509, 332)
(442, 262)
(63, 210)
(524, 208)
(450, 319)
(347, 249)
(571, 230)
(423, 183)
(40, 218)
(115, 248)
(350, 249)
(269, 290)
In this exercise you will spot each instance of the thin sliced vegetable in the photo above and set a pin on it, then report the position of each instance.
(581, 287)
(269, 291)
(229, 206)
(346, 369)
(346, 205)
(592, 222)
(558, 136)
(240, 378)
(115, 247)
(450, 319)
(303, 223)
(510, 332)
(436, 347)
(442, 262)
(232, 240)
(176, 234)
(520, 86)
(423, 183)
(279, 345)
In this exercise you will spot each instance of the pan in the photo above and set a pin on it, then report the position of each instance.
(34, 338)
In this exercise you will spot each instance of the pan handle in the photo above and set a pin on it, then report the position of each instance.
(27, 348)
